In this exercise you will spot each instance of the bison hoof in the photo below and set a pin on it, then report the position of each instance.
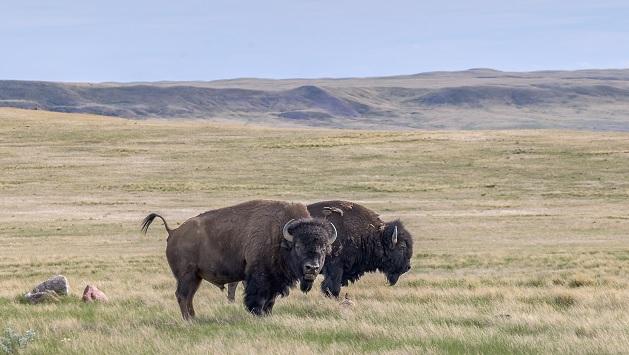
(257, 311)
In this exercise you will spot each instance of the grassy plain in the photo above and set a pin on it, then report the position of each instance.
(521, 237)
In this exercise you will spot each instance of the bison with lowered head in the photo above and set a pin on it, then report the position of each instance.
(365, 244)
(269, 244)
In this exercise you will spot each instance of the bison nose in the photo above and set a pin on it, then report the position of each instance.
(408, 267)
(311, 268)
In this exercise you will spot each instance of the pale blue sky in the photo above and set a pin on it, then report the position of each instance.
(80, 40)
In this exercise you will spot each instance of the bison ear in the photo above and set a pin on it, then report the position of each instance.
(289, 237)
(394, 237)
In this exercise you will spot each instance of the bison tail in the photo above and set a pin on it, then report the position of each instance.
(149, 219)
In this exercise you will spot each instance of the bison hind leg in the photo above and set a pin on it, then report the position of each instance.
(231, 291)
(187, 286)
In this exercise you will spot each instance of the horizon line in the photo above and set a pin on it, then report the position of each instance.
(166, 81)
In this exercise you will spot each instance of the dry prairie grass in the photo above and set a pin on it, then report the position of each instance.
(521, 236)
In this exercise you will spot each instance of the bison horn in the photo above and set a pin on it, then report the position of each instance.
(333, 238)
(394, 236)
(286, 233)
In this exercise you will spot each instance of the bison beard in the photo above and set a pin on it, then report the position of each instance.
(269, 244)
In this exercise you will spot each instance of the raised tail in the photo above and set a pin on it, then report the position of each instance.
(149, 219)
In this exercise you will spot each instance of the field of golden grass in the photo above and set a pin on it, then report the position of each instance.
(521, 237)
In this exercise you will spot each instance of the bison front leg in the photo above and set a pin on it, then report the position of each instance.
(257, 294)
(268, 307)
(332, 278)
(331, 285)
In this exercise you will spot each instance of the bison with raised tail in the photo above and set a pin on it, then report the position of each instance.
(365, 244)
(269, 244)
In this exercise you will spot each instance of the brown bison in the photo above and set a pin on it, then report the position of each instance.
(365, 244)
(269, 244)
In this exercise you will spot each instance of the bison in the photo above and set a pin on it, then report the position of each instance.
(365, 244)
(268, 244)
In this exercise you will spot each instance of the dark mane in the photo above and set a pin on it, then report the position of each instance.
(368, 260)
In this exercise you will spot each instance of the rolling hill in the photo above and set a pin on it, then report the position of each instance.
(471, 99)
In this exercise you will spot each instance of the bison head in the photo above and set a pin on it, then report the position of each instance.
(397, 251)
(306, 243)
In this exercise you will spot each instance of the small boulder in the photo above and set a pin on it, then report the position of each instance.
(58, 284)
(41, 297)
(49, 290)
(93, 294)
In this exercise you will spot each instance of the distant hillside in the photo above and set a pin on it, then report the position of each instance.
(472, 99)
